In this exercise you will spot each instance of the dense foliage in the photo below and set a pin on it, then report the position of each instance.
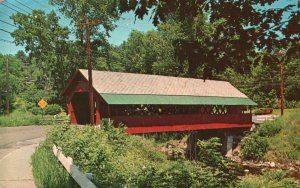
(117, 160)
(238, 28)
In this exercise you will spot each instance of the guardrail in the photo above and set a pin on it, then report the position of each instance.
(73, 170)
(259, 119)
(52, 120)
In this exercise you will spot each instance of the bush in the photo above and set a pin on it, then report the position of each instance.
(120, 160)
(52, 109)
(261, 111)
(292, 104)
(254, 147)
(36, 110)
(209, 152)
(184, 174)
(270, 128)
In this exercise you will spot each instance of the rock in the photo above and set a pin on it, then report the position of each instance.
(266, 164)
(292, 169)
(272, 164)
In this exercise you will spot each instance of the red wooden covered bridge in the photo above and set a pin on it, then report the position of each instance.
(152, 103)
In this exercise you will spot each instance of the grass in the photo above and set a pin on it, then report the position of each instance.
(25, 118)
(19, 118)
(285, 146)
(285, 111)
(270, 179)
(47, 170)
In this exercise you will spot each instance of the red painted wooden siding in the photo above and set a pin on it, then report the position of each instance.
(164, 123)
(184, 127)
(72, 114)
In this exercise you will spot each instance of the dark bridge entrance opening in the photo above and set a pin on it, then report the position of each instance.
(80, 103)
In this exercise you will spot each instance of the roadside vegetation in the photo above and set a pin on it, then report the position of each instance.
(117, 159)
(25, 118)
(48, 172)
(20, 118)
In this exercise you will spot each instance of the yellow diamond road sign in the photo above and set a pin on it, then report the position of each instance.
(42, 103)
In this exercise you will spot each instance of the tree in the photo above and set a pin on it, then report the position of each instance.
(15, 80)
(152, 52)
(241, 27)
(103, 11)
(46, 42)
(292, 80)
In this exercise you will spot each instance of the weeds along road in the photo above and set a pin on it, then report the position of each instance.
(17, 144)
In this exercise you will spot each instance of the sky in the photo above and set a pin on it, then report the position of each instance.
(125, 25)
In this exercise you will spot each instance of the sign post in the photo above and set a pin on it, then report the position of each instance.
(42, 104)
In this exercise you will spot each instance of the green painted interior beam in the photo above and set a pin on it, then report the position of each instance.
(119, 99)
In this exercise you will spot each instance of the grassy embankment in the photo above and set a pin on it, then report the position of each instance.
(285, 146)
(25, 118)
(283, 138)
(48, 172)
(270, 179)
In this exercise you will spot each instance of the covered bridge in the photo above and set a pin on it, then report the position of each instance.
(152, 103)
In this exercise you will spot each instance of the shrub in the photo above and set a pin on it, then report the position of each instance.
(185, 174)
(209, 152)
(254, 147)
(120, 160)
(261, 111)
(52, 109)
(36, 110)
(292, 104)
(270, 128)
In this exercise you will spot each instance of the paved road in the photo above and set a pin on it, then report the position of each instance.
(16, 147)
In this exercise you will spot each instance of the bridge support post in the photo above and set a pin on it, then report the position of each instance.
(229, 145)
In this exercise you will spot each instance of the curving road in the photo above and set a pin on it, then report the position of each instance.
(17, 144)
